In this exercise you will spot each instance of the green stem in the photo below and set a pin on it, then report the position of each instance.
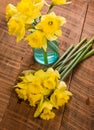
(69, 65)
(90, 53)
(72, 56)
(77, 46)
(51, 6)
(74, 62)
(45, 57)
(53, 46)
(63, 56)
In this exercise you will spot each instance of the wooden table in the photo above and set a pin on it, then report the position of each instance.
(14, 58)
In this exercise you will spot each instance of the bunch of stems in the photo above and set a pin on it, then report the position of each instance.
(73, 56)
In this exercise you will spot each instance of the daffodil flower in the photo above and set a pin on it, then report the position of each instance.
(21, 90)
(35, 87)
(21, 85)
(39, 3)
(51, 72)
(34, 99)
(60, 96)
(62, 85)
(22, 93)
(16, 28)
(40, 73)
(47, 114)
(37, 39)
(29, 9)
(49, 83)
(27, 77)
(42, 105)
(51, 80)
(60, 2)
(47, 92)
(10, 11)
(50, 24)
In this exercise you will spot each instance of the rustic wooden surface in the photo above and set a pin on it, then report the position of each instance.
(79, 113)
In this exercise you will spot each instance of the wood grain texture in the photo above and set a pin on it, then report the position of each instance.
(14, 58)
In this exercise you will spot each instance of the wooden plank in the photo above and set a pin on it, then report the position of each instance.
(11, 56)
(79, 113)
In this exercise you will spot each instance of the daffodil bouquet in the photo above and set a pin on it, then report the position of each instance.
(25, 21)
(44, 90)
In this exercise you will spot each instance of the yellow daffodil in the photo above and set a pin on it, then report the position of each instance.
(49, 83)
(47, 114)
(60, 2)
(27, 77)
(53, 73)
(50, 24)
(16, 28)
(60, 97)
(40, 74)
(35, 87)
(10, 11)
(50, 71)
(39, 3)
(22, 94)
(25, 7)
(29, 9)
(20, 17)
(21, 85)
(62, 85)
(42, 105)
(37, 39)
(47, 92)
(51, 80)
(34, 99)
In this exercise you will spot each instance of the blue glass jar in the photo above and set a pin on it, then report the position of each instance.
(52, 55)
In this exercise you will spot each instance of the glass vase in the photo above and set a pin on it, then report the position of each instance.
(52, 55)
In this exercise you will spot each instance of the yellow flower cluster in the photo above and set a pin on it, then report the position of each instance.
(21, 15)
(44, 90)
(26, 16)
(47, 29)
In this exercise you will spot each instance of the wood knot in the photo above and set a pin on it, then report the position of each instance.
(88, 101)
